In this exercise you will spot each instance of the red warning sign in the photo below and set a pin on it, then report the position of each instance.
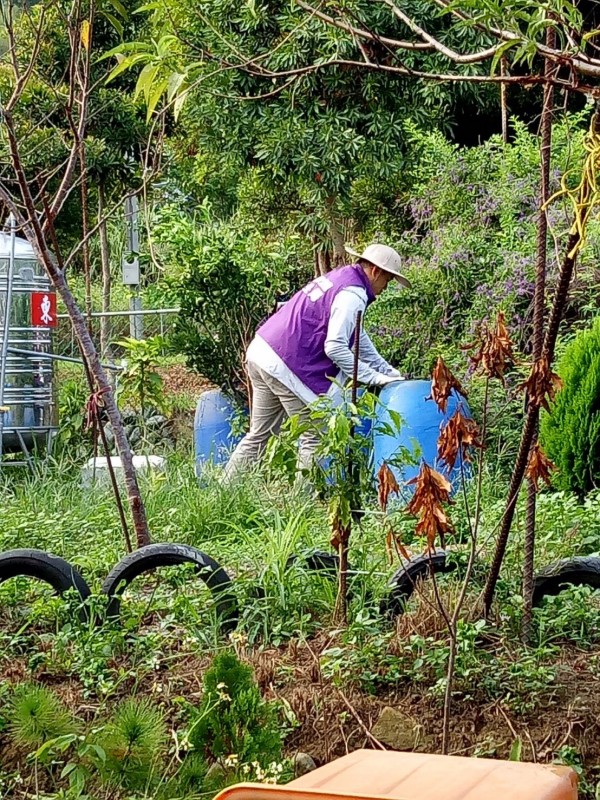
(43, 309)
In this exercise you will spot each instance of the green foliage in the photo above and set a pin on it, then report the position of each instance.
(467, 234)
(140, 385)
(115, 126)
(36, 715)
(342, 471)
(72, 399)
(469, 243)
(571, 615)
(227, 279)
(234, 725)
(188, 782)
(315, 143)
(133, 741)
(570, 434)
(251, 529)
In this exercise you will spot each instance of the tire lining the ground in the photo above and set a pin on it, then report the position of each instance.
(576, 571)
(155, 556)
(402, 583)
(45, 567)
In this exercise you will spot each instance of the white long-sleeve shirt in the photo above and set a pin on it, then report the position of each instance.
(373, 370)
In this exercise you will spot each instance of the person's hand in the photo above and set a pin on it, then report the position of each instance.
(397, 375)
(389, 378)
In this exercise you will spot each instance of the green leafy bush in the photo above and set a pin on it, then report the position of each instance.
(570, 435)
(133, 742)
(235, 726)
(140, 385)
(227, 280)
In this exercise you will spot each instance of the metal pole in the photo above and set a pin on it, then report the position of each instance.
(6, 326)
(55, 357)
(136, 321)
(131, 268)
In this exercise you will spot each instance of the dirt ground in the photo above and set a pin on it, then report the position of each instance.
(333, 720)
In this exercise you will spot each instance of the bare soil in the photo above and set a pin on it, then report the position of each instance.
(334, 720)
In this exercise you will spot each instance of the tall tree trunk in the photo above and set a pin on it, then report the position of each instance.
(538, 317)
(336, 232)
(35, 234)
(322, 259)
(105, 327)
(531, 420)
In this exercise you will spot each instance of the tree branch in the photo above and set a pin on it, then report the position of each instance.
(362, 33)
(457, 58)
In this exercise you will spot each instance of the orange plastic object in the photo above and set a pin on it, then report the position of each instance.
(379, 775)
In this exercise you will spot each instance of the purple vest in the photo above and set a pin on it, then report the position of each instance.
(297, 332)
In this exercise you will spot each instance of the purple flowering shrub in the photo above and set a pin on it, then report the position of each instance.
(470, 243)
(470, 251)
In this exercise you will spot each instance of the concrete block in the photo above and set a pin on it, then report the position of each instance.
(99, 467)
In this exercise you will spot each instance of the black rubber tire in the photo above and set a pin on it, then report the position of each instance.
(577, 571)
(154, 556)
(402, 583)
(318, 561)
(45, 567)
(325, 565)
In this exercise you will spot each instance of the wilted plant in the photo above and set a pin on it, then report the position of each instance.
(386, 486)
(540, 467)
(432, 491)
(457, 439)
(493, 349)
(542, 384)
(443, 383)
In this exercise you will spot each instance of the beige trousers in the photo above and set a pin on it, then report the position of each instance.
(272, 402)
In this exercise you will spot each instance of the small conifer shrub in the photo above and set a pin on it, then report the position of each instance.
(570, 434)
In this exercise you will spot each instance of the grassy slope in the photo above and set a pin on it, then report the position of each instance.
(330, 679)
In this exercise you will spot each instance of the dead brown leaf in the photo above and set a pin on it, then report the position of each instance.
(386, 485)
(494, 349)
(540, 467)
(458, 436)
(542, 384)
(442, 383)
(431, 490)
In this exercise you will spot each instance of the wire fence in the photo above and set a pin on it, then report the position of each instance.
(138, 324)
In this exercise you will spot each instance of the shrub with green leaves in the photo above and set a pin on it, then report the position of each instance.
(227, 279)
(570, 434)
(235, 726)
(140, 385)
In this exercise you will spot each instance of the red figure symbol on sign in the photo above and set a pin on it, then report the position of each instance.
(43, 309)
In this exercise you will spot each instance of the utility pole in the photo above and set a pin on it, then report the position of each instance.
(131, 268)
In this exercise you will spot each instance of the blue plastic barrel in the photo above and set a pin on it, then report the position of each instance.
(422, 422)
(213, 439)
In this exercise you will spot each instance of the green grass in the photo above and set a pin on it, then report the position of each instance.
(252, 529)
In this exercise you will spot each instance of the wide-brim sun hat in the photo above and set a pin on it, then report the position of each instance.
(384, 257)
